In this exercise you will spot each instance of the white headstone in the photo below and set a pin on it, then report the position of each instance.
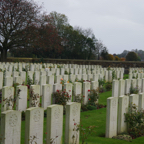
(72, 120)
(7, 98)
(54, 126)
(11, 127)
(21, 102)
(111, 117)
(46, 95)
(115, 88)
(123, 108)
(34, 100)
(86, 90)
(34, 126)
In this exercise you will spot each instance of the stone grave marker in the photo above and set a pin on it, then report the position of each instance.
(111, 117)
(34, 125)
(123, 108)
(115, 88)
(11, 127)
(46, 95)
(72, 120)
(34, 99)
(21, 101)
(86, 90)
(54, 122)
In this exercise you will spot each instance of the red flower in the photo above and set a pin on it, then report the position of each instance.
(57, 90)
(88, 90)
(89, 99)
(74, 123)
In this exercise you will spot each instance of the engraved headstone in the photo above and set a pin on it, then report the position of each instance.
(21, 101)
(123, 108)
(86, 90)
(11, 127)
(72, 120)
(46, 95)
(54, 122)
(111, 117)
(34, 126)
(7, 98)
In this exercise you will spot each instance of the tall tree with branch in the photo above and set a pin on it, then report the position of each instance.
(17, 18)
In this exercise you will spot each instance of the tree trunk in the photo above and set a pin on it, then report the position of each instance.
(4, 55)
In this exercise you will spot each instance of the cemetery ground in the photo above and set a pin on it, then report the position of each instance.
(88, 118)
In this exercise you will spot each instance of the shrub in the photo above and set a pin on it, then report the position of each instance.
(134, 119)
(61, 97)
(134, 90)
(93, 97)
(108, 86)
(101, 89)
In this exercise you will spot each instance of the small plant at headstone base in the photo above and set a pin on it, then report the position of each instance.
(33, 139)
(35, 98)
(134, 120)
(61, 97)
(101, 89)
(10, 102)
(2, 138)
(76, 132)
(29, 82)
(133, 77)
(79, 98)
(108, 86)
(93, 97)
(101, 82)
(59, 66)
(109, 68)
(43, 66)
(69, 81)
(114, 75)
(76, 80)
(26, 68)
(66, 73)
(50, 67)
(134, 90)
(125, 137)
(62, 82)
(86, 132)
(52, 140)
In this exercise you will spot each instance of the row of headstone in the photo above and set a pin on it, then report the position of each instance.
(122, 87)
(34, 119)
(116, 108)
(136, 70)
(47, 91)
(136, 75)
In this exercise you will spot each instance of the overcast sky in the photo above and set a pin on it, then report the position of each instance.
(118, 23)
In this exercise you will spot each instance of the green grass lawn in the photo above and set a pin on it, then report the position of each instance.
(126, 76)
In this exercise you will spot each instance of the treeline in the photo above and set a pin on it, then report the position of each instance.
(56, 38)
(134, 55)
